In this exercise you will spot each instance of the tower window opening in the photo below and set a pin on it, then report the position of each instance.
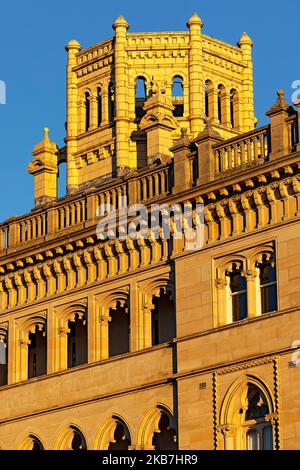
(178, 96)
(220, 103)
(140, 96)
(234, 109)
(3, 361)
(111, 101)
(87, 105)
(206, 101)
(99, 107)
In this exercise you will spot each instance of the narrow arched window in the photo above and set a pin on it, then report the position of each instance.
(78, 441)
(238, 294)
(163, 322)
(268, 285)
(140, 96)
(221, 92)
(119, 330)
(87, 105)
(177, 96)
(62, 179)
(37, 353)
(36, 444)
(209, 97)
(259, 434)
(234, 108)
(99, 107)
(111, 101)
(77, 342)
(121, 438)
(3, 361)
(206, 101)
(165, 437)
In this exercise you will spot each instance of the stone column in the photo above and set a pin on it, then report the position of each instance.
(94, 112)
(121, 95)
(62, 345)
(221, 302)
(52, 342)
(104, 320)
(93, 330)
(73, 47)
(251, 279)
(22, 356)
(196, 95)
(248, 119)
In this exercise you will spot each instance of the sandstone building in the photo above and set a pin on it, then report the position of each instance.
(142, 343)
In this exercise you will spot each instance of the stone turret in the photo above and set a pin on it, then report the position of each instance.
(44, 168)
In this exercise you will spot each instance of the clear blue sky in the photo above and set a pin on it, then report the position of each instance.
(32, 63)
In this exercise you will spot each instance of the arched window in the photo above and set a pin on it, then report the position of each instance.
(234, 108)
(165, 438)
(177, 96)
(36, 444)
(121, 438)
(87, 105)
(163, 322)
(221, 104)
(77, 342)
(62, 179)
(259, 435)
(78, 441)
(140, 96)
(206, 101)
(37, 353)
(119, 330)
(3, 358)
(111, 101)
(32, 443)
(113, 435)
(99, 107)
(248, 417)
(209, 97)
(238, 294)
(268, 286)
(71, 439)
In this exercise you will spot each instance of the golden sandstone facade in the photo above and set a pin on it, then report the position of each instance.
(144, 344)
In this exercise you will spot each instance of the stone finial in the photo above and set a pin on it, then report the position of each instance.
(195, 20)
(184, 139)
(245, 40)
(45, 145)
(208, 132)
(73, 45)
(280, 105)
(120, 23)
